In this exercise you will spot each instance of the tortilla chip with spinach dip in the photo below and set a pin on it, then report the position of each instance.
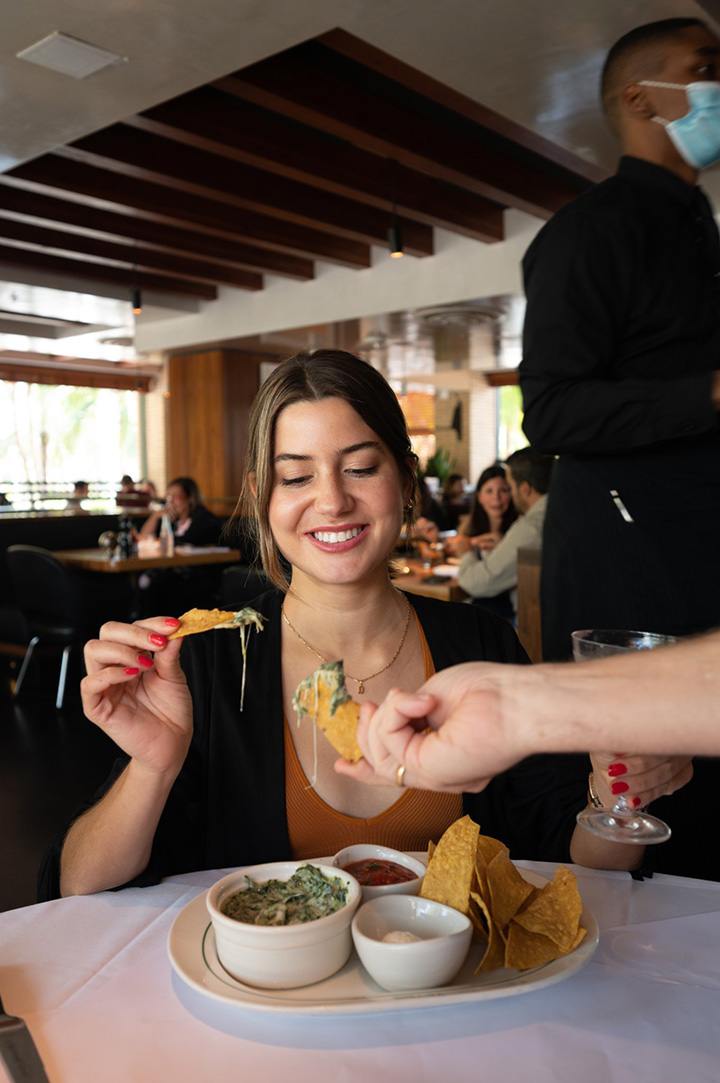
(306, 896)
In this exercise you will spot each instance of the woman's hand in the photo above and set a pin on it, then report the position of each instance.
(486, 542)
(147, 530)
(451, 735)
(639, 779)
(136, 692)
(458, 545)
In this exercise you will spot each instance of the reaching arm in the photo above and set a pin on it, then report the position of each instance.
(484, 717)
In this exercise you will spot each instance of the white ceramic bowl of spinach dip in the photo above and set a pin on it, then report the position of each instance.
(284, 924)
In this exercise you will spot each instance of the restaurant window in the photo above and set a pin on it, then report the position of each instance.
(510, 436)
(52, 436)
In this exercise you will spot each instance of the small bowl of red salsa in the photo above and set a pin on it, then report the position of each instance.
(380, 870)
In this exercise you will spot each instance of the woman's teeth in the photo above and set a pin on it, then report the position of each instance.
(331, 537)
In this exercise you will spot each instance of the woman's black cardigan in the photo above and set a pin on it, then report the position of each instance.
(227, 806)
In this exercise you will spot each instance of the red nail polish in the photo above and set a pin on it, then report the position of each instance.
(619, 787)
(617, 769)
(145, 661)
(635, 802)
(157, 640)
(131, 671)
(172, 621)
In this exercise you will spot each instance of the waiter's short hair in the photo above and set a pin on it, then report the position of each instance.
(637, 55)
(531, 466)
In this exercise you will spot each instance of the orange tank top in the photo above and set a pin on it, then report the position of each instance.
(316, 828)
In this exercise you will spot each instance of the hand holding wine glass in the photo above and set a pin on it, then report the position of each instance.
(638, 779)
(623, 820)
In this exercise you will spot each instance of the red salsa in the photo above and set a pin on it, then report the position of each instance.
(376, 871)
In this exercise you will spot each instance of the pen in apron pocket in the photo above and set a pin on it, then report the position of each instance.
(617, 501)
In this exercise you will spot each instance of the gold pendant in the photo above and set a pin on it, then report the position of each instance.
(361, 688)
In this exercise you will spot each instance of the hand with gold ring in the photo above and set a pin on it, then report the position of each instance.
(436, 733)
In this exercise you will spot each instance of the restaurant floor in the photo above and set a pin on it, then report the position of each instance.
(49, 761)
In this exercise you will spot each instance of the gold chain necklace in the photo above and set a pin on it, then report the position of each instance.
(360, 681)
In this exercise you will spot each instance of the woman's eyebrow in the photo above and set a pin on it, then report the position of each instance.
(288, 456)
(360, 447)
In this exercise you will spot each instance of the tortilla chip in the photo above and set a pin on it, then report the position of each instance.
(450, 872)
(494, 956)
(200, 620)
(324, 697)
(555, 911)
(507, 888)
(581, 934)
(525, 950)
(485, 851)
(430, 850)
(487, 847)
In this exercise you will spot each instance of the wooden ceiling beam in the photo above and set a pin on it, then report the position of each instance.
(75, 246)
(154, 158)
(106, 190)
(362, 52)
(87, 221)
(312, 84)
(210, 120)
(118, 276)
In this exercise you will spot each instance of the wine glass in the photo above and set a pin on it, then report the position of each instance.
(621, 823)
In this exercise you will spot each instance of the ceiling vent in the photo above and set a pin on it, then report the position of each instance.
(69, 56)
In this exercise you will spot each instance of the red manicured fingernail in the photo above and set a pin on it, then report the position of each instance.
(619, 787)
(617, 769)
(635, 802)
(131, 671)
(172, 621)
(157, 640)
(145, 661)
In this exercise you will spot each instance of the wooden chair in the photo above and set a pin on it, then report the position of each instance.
(529, 625)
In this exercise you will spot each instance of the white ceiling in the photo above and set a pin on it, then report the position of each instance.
(534, 61)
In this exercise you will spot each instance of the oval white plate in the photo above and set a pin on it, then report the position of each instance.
(191, 948)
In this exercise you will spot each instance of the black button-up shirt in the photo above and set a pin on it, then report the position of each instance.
(622, 330)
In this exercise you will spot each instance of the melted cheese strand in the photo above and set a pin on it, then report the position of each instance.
(243, 648)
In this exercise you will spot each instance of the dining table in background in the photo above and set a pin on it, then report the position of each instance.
(97, 560)
(415, 577)
(92, 979)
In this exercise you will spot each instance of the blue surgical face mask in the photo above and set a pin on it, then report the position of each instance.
(696, 135)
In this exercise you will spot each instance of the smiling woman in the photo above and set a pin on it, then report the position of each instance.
(330, 477)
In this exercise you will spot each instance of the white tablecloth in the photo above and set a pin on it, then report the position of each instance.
(92, 980)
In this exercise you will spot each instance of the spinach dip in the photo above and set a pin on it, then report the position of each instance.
(306, 896)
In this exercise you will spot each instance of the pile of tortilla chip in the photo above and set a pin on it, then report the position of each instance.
(524, 926)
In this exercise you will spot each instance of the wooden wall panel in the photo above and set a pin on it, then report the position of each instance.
(210, 395)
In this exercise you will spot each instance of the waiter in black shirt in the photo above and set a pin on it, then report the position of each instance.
(621, 355)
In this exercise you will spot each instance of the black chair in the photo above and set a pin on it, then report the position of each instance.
(52, 603)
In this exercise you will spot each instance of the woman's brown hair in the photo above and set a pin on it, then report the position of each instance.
(311, 377)
(191, 489)
(479, 520)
